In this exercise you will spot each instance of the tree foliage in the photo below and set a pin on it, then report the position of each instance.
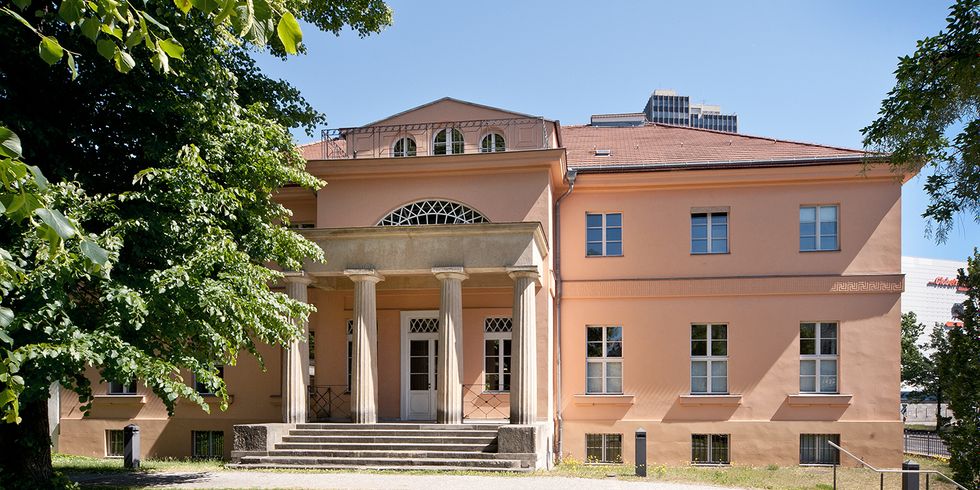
(931, 118)
(915, 369)
(958, 364)
(179, 161)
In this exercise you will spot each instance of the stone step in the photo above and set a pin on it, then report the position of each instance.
(390, 439)
(393, 432)
(379, 462)
(381, 453)
(400, 425)
(406, 446)
(274, 466)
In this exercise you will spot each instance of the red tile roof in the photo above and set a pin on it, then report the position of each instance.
(659, 144)
(314, 150)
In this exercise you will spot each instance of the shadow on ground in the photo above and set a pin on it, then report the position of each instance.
(129, 479)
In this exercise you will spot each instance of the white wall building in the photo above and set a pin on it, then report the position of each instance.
(931, 290)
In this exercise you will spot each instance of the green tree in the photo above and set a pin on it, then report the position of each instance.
(959, 365)
(914, 364)
(931, 118)
(181, 157)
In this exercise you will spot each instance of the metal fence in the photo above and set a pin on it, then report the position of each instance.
(489, 405)
(925, 443)
(329, 403)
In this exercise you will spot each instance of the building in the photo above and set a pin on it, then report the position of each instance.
(932, 291)
(737, 297)
(666, 107)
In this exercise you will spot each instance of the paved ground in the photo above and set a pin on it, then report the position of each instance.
(253, 479)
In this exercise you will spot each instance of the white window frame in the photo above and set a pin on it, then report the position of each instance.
(819, 358)
(109, 433)
(711, 450)
(709, 359)
(604, 230)
(710, 216)
(818, 235)
(604, 360)
(120, 389)
(501, 357)
(604, 448)
(405, 153)
(493, 137)
(450, 142)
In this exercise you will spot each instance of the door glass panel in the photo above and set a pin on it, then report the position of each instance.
(419, 365)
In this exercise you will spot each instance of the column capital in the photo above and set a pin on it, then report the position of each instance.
(297, 277)
(358, 275)
(443, 273)
(530, 271)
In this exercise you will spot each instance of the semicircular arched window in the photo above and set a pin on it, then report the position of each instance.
(448, 142)
(404, 147)
(492, 142)
(433, 212)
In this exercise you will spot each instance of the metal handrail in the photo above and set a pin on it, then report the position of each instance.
(882, 471)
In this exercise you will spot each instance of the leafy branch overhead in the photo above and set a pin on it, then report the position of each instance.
(123, 31)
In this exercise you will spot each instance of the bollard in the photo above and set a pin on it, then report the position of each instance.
(910, 481)
(641, 452)
(131, 451)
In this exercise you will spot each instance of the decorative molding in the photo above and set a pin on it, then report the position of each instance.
(604, 400)
(818, 399)
(734, 286)
(711, 400)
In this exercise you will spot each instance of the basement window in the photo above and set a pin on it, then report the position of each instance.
(604, 448)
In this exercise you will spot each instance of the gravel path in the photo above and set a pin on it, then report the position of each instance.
(253, 479)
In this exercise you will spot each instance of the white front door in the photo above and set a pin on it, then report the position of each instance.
(420, 346)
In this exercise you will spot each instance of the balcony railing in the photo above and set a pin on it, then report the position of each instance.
(489, 405)
(520, 133)
(329, 403)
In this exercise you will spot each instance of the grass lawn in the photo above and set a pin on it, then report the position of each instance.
(771, 477)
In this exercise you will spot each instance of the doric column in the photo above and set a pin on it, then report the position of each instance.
(296, 360)
(364, 364)
(449, 392)
(523, 384)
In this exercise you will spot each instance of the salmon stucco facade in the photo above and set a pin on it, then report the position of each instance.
(556, 288)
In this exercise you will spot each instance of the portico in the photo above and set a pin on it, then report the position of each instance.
(449, 258)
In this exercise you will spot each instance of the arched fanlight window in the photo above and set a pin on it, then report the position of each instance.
(404, 147)
(492, 142)
(448, 142)
(433, 212)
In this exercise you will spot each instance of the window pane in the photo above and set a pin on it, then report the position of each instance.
(808, 367)
(808, 243)
(699, 332)
(492, 347)
(699, 219)
(808, 330)
(807, 346)
(614, 370)
(719, 246)
(614, 349)
(593, 349)
(699, 231)
(699, 385)
(719, 218)
(719, 348)
(614, 333)
(594, 334)
(808, 213)
(828, 346)
(614, 219)
(614, 448)
(719, 332)
(828, 228)
(808, 384)
(614, 248)
(699, 448)
(593, 249)
(719, 368)
(719, 448)
(593, 235)
(719, 385)
(828, 367)
(421, 364)
(507, 343)
(593, 220)
(614, 234)
(699, 348)
(614, 385)
(699, 246)
(719, 231)
(593, 369)
(828, 243)
(419, 381)
(418, 348)
(808, 229)
(828, 384)
(594, 385)
(828, 213)
(828, 330)
(699, 368)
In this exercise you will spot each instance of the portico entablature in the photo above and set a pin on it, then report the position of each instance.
(478, 248)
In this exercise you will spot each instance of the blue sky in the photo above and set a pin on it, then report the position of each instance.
(807, 71)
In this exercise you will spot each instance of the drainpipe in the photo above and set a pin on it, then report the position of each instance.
(570, 175)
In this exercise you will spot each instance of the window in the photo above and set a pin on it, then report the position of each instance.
(818, 357)
(818, 228)
(203, 389)
(208, 444)
(115, 443)
(350, 351)
(709, 233)
(709, 449)
(603, 234)
(604, 360)
(709, 358)
(404, 147)
(432, 213)
(492, 142)
(496, 353)
(604, 448)
(815, 450)
(448, 142)
(122, 388)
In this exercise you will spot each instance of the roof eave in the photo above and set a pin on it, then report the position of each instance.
(662, 167)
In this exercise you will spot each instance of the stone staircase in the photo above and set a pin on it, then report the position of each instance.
(395, 446)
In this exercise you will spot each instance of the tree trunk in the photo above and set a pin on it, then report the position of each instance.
(25, 458)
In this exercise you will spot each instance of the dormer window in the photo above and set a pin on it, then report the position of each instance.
(492, 142)
(404, 147)
(448, 142)
(603, 153)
